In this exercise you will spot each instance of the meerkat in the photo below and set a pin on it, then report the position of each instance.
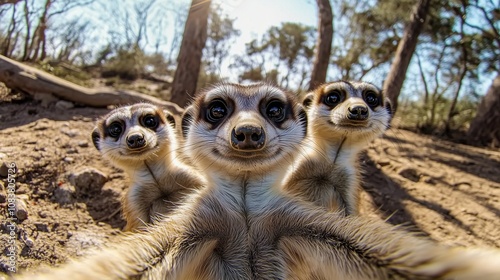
(242, 225)
(141, 140)
(344, 117)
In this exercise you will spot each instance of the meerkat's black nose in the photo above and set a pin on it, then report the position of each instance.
(136, 141)
(357, 113)
(248, 137)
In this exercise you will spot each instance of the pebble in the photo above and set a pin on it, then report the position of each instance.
(45, 98)
(69, 132)
(384, 162)
(3, 194)
(41, 226)
(29, 242)
(72, 151)
(42, 214)
(4, 169)
(69, 159)
(83, 144)
(87, 178)
(21, 210)
(64, 105)
(64, 194)
(410, 174)
(42, 124)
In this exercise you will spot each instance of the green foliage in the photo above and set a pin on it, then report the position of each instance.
(289, 48)
(128, 64)
(220, 34)
(414, 114)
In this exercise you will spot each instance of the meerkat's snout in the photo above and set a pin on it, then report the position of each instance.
(357, 111)
(136, 141)
(248, 137)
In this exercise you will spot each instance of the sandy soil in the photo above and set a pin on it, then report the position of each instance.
(447, 191)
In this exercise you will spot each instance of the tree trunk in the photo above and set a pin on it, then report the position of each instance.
(189, 58)
(485, 128)
(324, 44)
(406, 47)
(19, 76)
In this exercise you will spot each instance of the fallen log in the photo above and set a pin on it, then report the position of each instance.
(16, 75)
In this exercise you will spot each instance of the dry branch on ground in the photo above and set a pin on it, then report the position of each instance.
(25, 78)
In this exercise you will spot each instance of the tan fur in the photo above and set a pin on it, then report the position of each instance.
(327, 172)
(318, 245)
(305, 242)
(159, 179)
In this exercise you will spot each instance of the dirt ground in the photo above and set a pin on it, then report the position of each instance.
(447, 191)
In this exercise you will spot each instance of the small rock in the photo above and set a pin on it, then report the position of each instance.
(21, 210)
(3, 194)
(42, 214)
(83, 144)
(23, 189)
(41, 226)
(72, 151)
(69, 132)
(3, 156)
(384, 162)
(64, 105)
(42, 124)
(410, 174)
(88, 179)
(4, 169)
(69, 234)
(45, 99)
(29, 242)
(64, 194)
(69, 159)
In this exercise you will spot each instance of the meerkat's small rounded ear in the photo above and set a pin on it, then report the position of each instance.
(187, 118)
(170, 117)
(96, 136)
(308, 99)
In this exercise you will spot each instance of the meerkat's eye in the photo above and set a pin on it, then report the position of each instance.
(333, 98)
(275, 110)
(150, 121)
(115, 129)
(371, 98)
(217, 110)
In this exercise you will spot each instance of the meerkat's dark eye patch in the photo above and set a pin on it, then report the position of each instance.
(115, 129)
(371, 98)
(217, 110)
(275, 111)
(150, 121)
(333, 98)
